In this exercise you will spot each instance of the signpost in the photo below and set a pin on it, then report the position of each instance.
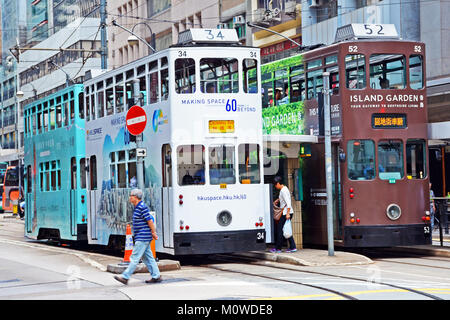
(136, 120)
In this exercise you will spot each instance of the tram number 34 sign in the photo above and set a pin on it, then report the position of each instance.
(136, 120)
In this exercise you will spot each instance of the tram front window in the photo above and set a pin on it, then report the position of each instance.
(361, 159)
(390, 160)
(191, 164)
(249, 163)
(387, 71)
(219, 75)
(221, 164)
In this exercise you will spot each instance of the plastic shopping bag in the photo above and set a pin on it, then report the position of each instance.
(287, 229)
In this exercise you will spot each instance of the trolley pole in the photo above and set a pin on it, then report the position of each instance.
(140, 160)
(328, 161)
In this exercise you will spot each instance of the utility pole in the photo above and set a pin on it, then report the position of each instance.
(328, 161)
(140, 160)
(104, 52)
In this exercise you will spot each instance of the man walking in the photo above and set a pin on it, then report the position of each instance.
(144, 231)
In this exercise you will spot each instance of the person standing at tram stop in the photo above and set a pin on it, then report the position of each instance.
(283, 201)
(144, 231)
(432, 208)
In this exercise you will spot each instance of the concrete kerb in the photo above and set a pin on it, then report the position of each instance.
(310, 258)
(163, 265)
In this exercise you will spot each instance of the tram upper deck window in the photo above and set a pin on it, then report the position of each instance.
(249, 168)
(250, 75)
(416, 72)
(387, 71)
(355, 71)
(281, 87)
(219, 75)
(191, 164)
(314, 81)
(390, 159)
(221, 164)
(164, 78)
(267, 94)
(415, 159)
(297, 81)
(120, 97)
(153, 81)
(361, 159)
(185, 75)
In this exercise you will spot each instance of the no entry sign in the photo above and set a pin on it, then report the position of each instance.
(136, 120)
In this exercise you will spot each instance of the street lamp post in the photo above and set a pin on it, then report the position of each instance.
(133, 39)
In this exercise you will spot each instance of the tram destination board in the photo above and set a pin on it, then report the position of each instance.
(221, 126)
(389, 121)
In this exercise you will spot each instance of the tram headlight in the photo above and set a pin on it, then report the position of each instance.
(224, 218)
(393, 211)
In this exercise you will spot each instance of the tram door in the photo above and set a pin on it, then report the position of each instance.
(91, 176)
(167, 195)
(337, 192)
(73, 196)
(29, 198)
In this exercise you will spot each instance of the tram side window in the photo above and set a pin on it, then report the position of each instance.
(100, 103)
(45, 116)
(415, 159)
(109, 101)
(298, 88)
(29, 180)
(219, 75)
(250, 67)
(416, 72)
(361, 159)
(52, 116)
(81, 105)
(33, 124)
(164, 78)
(267, 94)
(122, 166)
(73, 173)
(221, 164)
(249, 167)
(59, 116)
(355, 71)
(387, 71)
(153, 81)
(185, 75)
(83, 173)
(93, 173)
(191, 164)
(314, 81)
(120, 98)
(390, 159)
(281, 87)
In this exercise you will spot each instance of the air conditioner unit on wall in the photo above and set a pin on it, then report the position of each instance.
(290, 7)
(258, 15)
(315, 3)
(238, 20)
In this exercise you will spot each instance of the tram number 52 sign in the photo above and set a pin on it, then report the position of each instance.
(136, 120)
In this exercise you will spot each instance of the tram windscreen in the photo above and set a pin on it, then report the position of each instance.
(390, 160)
(387, 71)
(221, 164)
(191, 164)
(249, 163)
(361, 159)
(12, 177)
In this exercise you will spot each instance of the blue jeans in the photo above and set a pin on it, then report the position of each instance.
(142, 250)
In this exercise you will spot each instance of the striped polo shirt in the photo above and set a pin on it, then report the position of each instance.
(141, 215)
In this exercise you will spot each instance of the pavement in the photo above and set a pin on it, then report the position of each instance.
(303, 257)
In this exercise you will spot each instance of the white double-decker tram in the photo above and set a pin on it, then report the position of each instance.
(202, 146)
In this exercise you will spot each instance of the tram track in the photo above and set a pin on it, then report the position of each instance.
(278, 266)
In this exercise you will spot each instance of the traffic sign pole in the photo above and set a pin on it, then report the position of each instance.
(140, 160)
